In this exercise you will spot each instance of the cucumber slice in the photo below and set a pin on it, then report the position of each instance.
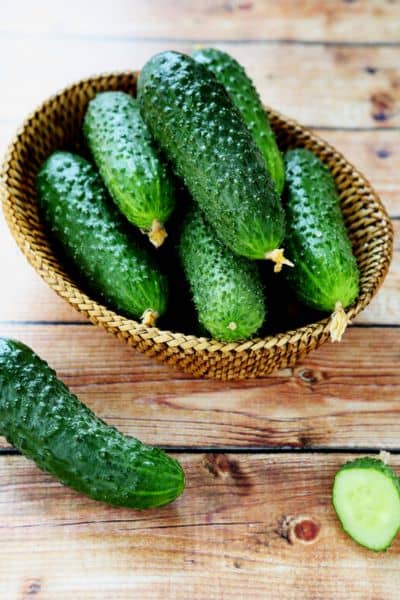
(366, 498)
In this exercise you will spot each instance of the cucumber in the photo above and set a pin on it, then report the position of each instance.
(47, 423)
(192, 117)
(95, 238)
(366, 498)
(132, 170)
(227, 289)
(325, 276)
(245, 96)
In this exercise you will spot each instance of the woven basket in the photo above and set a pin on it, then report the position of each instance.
(57, 124)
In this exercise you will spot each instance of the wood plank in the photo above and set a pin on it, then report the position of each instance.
(224, 532)
(25, 297)
(336, 20)
(384, 308)
(318, 85)
(376, 155)
(343, 395)
(8, 128)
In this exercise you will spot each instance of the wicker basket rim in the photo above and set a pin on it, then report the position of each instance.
(180, 340)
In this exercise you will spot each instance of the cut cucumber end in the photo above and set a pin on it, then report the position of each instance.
(366, 498)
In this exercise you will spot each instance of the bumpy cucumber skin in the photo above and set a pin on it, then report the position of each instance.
(195, 122)
(245, 96)
(227, 289)
(96, 239)
(367, 462)
(130, 166)
(325, 270)
(47, 423)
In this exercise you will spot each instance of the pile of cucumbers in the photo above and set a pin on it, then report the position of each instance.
(197, 123)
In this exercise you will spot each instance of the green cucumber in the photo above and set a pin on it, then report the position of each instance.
(47, 423)
(130, 166)
(325, 276)
(96, 239)
(192, 117)
(366, 498)
(245, 96)
(227, 289)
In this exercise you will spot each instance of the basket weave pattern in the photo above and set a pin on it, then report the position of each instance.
(57, 124)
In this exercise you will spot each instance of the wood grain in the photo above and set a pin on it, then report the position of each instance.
(336, 20)
(328, 64)
(343, 395)
(223, 535)
(318, 85)
(376, 155)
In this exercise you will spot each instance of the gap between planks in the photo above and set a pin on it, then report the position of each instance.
(267, 450)
(134, 39)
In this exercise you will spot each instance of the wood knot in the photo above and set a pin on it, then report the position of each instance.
(310, 376)
(31, 587)
(382, 105)
(301, 529)
(382, 153)
(221, 467)
(245, 6)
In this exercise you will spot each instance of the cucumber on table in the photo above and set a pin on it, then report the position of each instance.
(366, 498)
(233, 77)
(47, 423)
(192, 117)
(227, 289)
(131, 168)
(325, 275)
(97, 240)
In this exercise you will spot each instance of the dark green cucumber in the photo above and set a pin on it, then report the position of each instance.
(130, 166)
(226, 288)
(245, 96)
(47, 423)
(325, 274)
(366, 498)
(193, 119)
(96, 238)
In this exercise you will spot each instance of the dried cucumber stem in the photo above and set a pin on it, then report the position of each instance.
(279, 259)
(339, 322)
(384, 456)
(157, 233)
(149, 317)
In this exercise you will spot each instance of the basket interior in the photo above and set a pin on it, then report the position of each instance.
(57, 124)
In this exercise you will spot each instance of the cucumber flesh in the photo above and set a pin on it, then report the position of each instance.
(366, 498)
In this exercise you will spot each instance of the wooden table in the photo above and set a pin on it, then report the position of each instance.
(255, 452)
